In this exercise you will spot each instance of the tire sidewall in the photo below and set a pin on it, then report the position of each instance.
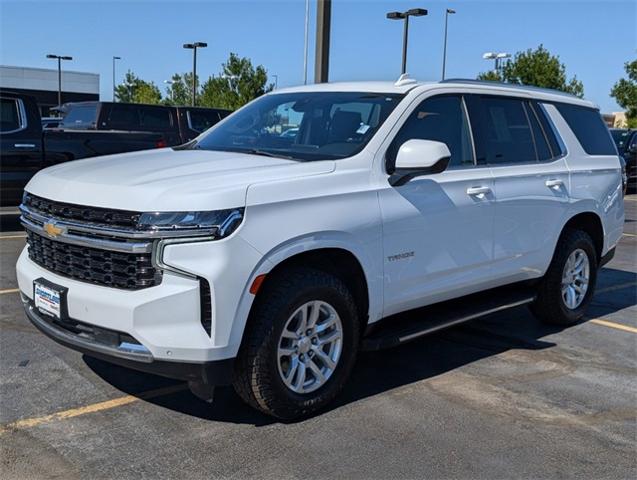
(345, 308)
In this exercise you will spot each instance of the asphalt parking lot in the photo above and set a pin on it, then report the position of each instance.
(501, 397)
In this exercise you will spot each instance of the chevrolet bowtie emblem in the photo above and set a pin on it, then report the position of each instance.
(53, 230)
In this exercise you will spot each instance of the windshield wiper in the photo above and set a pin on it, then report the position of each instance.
(265, 153)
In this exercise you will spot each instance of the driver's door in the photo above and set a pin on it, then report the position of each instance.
(437, 228)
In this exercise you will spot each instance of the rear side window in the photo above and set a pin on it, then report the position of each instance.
(442, 119)
(9, 115)
(503, 132)
(80, 117)
(200, 120)
(134, 117)
(541, 143)
(589, 128)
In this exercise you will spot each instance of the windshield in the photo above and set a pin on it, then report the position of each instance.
(620, 137)
(303, 126)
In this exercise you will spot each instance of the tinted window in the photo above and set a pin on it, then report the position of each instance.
(329, 125)
(441, 119)
(9, 115)
(139, 117)
(620, 137)
(555, 142)
(506, 135)
(201, 120)
(541, 144)
(589, 128)
(80, 117)
(155, 118)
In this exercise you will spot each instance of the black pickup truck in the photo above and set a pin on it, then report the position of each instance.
(88, 129)
(178, 125)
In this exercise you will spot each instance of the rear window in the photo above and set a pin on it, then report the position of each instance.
(589, 128)
(139, 117)
(201, 120)
(80, 117)
(9, 115)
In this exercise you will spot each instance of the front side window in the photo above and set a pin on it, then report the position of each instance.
(442, 119)
(303, 125)
(9, 115)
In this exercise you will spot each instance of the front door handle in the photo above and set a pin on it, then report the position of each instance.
(554, 183)
(478, 191)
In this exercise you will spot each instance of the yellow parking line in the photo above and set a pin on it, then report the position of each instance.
(617, 326)
(9, 290)
(95, 407)
(9, 237)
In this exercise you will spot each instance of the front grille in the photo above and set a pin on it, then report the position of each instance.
(130, 271)
(93, 215)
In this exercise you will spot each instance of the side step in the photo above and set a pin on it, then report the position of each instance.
(408, 326)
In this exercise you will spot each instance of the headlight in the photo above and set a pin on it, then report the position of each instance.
(218, 223)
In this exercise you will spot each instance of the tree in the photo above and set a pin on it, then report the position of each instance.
(180, 91)
(136, 90)
(625, 93)
(238, 83)
(539, 68)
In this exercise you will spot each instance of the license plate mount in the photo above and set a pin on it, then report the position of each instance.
(50, 299)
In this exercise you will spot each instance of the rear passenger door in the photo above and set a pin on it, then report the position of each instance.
(514, 138)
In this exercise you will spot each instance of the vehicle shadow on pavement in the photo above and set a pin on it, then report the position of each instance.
(378, 372)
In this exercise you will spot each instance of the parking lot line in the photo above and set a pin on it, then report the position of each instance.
(9, 290)
(617, 326)
(629, 235)
(92, 408)
(9, 237)
(619, 286)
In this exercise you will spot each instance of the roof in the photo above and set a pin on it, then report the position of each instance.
(545, 94)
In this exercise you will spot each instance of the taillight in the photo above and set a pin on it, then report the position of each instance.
(161, 143)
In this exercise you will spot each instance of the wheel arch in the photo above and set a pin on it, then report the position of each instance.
(591, 223)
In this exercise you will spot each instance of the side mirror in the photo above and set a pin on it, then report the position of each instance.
(419, 157)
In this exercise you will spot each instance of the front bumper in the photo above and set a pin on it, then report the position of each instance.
(101, 345)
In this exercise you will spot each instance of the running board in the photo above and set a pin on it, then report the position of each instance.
(408, 326)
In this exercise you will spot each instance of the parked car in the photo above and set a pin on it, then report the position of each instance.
(626, 141)
(26, 148)
(269, 262)
(178, 125)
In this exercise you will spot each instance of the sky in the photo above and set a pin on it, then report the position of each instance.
(592, 38)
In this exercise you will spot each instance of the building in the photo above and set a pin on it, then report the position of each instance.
(615, 119)
(42, 84)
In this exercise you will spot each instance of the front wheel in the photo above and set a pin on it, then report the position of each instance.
(569, 283)
(300, 344)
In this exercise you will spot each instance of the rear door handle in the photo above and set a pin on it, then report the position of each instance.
(554, 183)
(478, 190)
(24, 145)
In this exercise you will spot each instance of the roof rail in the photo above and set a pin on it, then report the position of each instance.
(531, 88)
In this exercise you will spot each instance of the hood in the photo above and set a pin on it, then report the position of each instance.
(166, 179)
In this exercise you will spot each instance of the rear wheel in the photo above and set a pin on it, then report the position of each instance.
(300, 344)
(569, 283)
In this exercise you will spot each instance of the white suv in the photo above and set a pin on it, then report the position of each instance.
(271, 249)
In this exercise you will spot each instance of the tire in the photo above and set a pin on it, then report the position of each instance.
(550, 305)
(258, 376)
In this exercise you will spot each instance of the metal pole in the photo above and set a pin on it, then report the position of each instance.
(113, 79)
(444, 51)
(59, 81)
(405, 37)
(322, 56)
(307, 40)
(194, 76)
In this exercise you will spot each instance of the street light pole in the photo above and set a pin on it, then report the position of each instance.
(59, 59)
(414, 12)
(497, 57)
(114, 58)
(306, 40)
(194, 47)
(444, 52)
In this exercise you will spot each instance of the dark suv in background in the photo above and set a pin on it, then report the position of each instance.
(626, 141)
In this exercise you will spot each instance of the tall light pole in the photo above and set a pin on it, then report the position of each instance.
(114, 58)
(59, 59)
(194, 47)
(497, 57)
(414, 12)
(449, 11)
(306, 43)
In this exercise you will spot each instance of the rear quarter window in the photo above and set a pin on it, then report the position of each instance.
(589, 128)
